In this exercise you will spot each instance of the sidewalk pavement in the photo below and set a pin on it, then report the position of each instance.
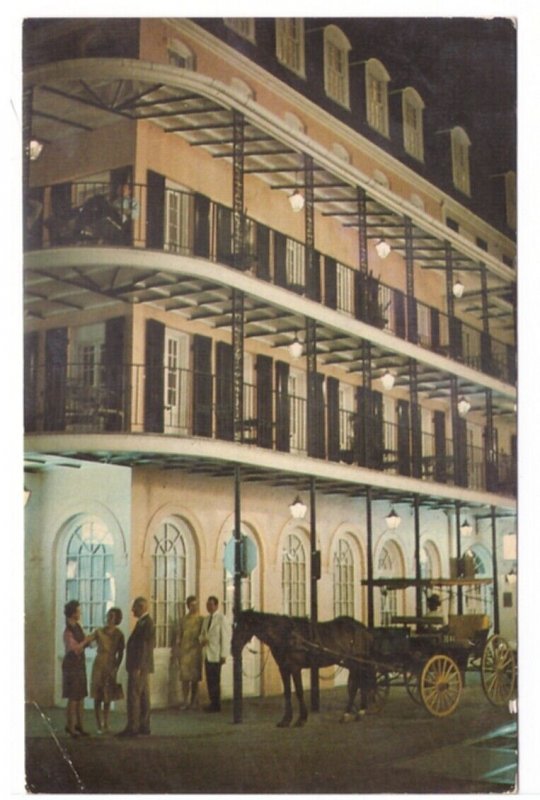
(401, 750)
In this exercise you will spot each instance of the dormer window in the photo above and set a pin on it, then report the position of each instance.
(243, 26)
(290, 44)
(510, 196)
(336, 65)
(180, 55)
(460, 144)
(377, 79)
(413, 124)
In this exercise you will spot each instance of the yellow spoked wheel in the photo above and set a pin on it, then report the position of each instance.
(498, 670)
(440, 685)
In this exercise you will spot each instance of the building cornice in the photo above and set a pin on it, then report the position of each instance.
(355, 139)
(270, 123)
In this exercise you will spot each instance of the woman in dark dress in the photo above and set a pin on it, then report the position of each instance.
(74, 686)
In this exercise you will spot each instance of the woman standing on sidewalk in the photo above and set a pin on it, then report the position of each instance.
(187, 651)
(110, 650)
(74, 686)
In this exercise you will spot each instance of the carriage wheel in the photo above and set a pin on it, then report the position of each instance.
(378, 695)
(498, 670)
(412, 686)
(440, 685)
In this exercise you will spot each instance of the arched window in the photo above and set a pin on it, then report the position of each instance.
(343, 580)
(336, 65)
(388, 566)
(479, 599)
(293, 577)
(377, 79)
(169, 580)
(413, 125)
(460, 144)
(290, 43)
(90, 571)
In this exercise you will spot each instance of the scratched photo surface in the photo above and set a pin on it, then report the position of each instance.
(270, 404)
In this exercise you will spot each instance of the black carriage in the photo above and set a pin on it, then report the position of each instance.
(431, 658)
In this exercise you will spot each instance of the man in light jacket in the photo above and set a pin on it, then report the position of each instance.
(216, 641)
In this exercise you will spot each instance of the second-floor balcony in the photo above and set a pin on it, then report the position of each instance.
(133, 398)
(190, 224)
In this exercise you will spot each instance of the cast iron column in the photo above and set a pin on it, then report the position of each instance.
(456, 439)
(412, 316)
(416, 422)
(362, 253)
(450, 306)
(309, 219)
(366, 418)
(496, 621)
(238, 385)
(315, 575)
(417, 563)
(486, 338)
(237, 602)
(369, 555)
(458, 556)
(489, 444)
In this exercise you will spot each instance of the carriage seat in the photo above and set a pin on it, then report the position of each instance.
(468, 629)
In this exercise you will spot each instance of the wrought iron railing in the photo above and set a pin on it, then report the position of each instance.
(181, 402)
(186, 223)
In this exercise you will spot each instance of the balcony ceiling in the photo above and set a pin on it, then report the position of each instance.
(52, 291)
(64, 106)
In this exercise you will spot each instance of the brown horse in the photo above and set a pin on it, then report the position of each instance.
(297, 644)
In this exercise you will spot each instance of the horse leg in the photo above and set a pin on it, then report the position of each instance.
(288, 713)
(352, 687)
(302, 719)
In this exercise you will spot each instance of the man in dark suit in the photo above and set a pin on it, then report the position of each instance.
(139, 665)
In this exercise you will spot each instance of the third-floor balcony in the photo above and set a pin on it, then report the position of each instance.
(190, 224)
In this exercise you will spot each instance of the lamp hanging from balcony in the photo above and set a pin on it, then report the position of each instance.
(383, 248)
(393, 520)
(26, 495)
(297, 201)
(298, 509)
(511, 577)
(34, 149)
(463, 406)
(458, 289)
(466, 528)
(295, 348)
(388, 380)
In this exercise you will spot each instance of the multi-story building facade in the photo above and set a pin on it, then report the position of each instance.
(253, 271)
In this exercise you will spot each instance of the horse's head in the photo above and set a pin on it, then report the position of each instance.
(245, 626)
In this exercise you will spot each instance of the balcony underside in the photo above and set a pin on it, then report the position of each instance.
(218, 459)
(88, 94)
(63, 280)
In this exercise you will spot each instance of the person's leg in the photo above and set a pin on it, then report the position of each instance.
(133, 709)
(194, 700)
(144, 722)
(212, 682)
(80, 716)
(185, 694)
(97, 712)
(106, 708)
(71, 717)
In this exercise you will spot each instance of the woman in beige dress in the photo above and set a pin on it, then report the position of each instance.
(110, 650)
(188, 653)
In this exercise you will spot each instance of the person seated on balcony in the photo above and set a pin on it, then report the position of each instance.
(128, 208)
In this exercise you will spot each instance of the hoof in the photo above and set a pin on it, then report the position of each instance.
(300, 723)
(284, 723)
(348, 717)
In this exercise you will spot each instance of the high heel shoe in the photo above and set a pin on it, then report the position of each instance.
(74, 734)
(80, 731)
